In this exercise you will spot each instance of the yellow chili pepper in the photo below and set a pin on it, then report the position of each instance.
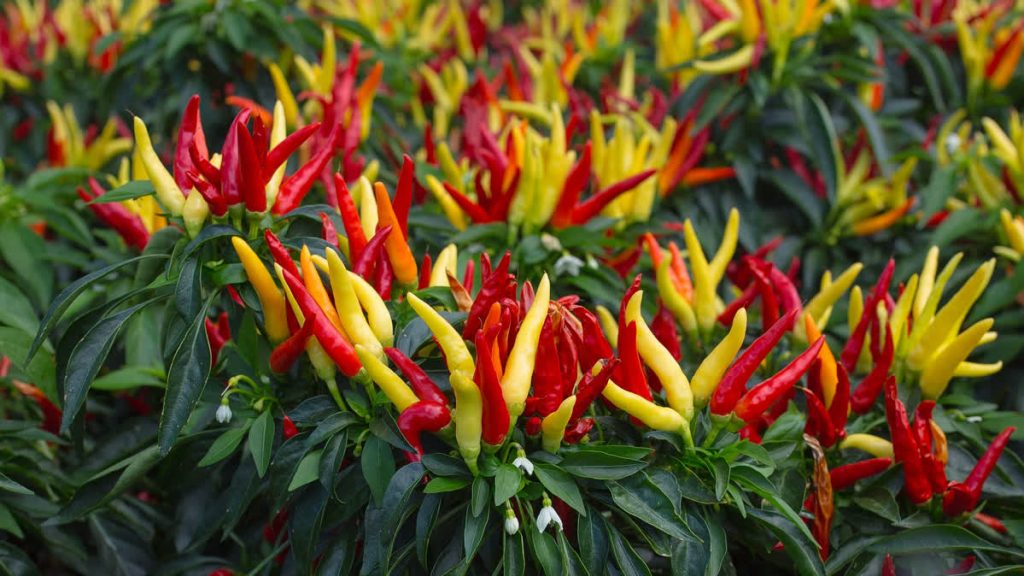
(710, 371)
(391, 383)
(284, 95)
(924, 286)
(726, 249)
(469, 412)
(167, 190)
(900, 313)
(609, 325)
(278, 132)
(349, 312)
(311, 278)
(275, 321)
(831, 294)
(377, 315)
(446, 263)
(448, 205)
(367, 206)
(877, 447)
(455, 351)
(515, 382)
(941, 366)
(947, 321)
(703, 283)
(674, 301)
(553, 425)
(653, 416)
(660, 361)
(194, 213)
(976, 370)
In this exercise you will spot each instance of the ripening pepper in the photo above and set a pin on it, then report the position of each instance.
(709, 373)
(468, 418)
(553, 425)
(874, 445)
(271, 300)
(397, 391)
(349, 311)
(396, 244)
(733, 383)
(848, 474)
(167, 190)
(515, 382)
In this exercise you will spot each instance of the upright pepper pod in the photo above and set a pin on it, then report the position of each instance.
(167, 190)
(468, 419)
(286, 353)
(397, 391)
(918, 488)
(333, 342)
(515, 382)
(709, 373)
(496, 420)
(349, 311)
(962, 497)
(421, 383)
(661, 362)
(734, 382)
(395, 244)
(553, 425)
(271, 300)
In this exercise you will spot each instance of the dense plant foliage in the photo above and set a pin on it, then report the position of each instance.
(708, 287)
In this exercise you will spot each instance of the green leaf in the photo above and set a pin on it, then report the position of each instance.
(481, 495)
(798, 545)
(545, 551)
(927, 539)
(14, 561)
(16, 311)
(426, 517)
(629, 562)
(639, 497)
(261, 441)
(67, 296)
(875, 135)
(108, 485)
(207, 234)
(224, 445)
(378, 466)
(476, 527)
(593, 541)
(307, 472)
(23, 250)
(799, 193)
(514, 555)
(9, 485)
(127, 378)
(332, 457)
(445, 465)
(506, 483)
(133, 189)
(561, 484)
(444, 484)
(597, 465)
(186, 379)
(817, 123)
(86, 359)
(188, 291)
(9, 523)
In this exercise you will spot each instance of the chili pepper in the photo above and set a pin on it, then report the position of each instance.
(863, 398)
(762, 396)
(631, 369)
(734, 382)
(888, 567)
(577, 430)
(547, 377)
(211, 195)
(127, 225)
(750, 433)
(423, 416)
(664, 329)
(839, 409)
(288, 428)
(848, 474)
(377, 315)
(575, 183)
(167, 191)
(878, 447)
(202, 165)
(194, 214)
(364, 265)
(948, 320)
(591, 386)
(468, 418)
(398, 250)
(350, 219)
(711, 370)
(496, 420)
(769, 302)
(384, 275)
(851, 352)
(653, 416)
(586, 210)
(789, 298)
(295, 187)
(469, 275)
(991, 522)
(964, 496)
(279, 154)
(286, 353)
(905, 448)
(280, 253)
(272, 303)
(594, 345)
(922, 429)
(704, 287)
(403, 193)
(456, 353)
(515, 382)
(943, 365)
(494, 285)
(397, 391)
(333, 342)
(218, 333)
(425, 268)
(350, 313)
(829, 295)
(230, 166)
(190, 131)
(668, 371)
(250, 180)
(553, 425)
(315, 286)
(330, 234)
(421, 383)
(745, 299)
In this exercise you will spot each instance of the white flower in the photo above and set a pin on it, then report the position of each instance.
(550, 242)
(548, 515)
(952, 143)
(568, 264)
(511, 522)
(974, 419)
(224, 413)
(522, 462)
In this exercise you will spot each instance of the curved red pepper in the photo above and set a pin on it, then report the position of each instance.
(190, 131)
(839, 410)
(496, 418)
(350, 219)
(590, 387)
(664, 329)
(789, 298)
(547, 375)
(334, 343)
(819, 422)
(218, 207)
(764, 395)
(743, 301)
(575, 183)
(384, 276)
(230, 165)
(734, 381)
(330, 233)
(856, 342)
(203, 166)
(364, 265)
(403, 193)
(864, 396)
(423, 416)
(422, 385)
(218, 333)
(127, 225)
(630, 373)
(595, 346)
(918, 487)
(295, 187)
(286, 353)
(590, 207)
(288, 428)
(279, 253)
(494, 286)
(922, 429)
(280, 153)
(962, 497)
(848, 474)
(250, 177)
(769, 302)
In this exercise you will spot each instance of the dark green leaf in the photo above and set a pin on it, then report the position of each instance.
(481, 496)
(190, 366)
(378, 466)
(261, 441)
(559, 483)
(514, 555)
(224, 445)
(308, 471)
(133, 189)
(444, 484)
(506, 483)
(798, 546)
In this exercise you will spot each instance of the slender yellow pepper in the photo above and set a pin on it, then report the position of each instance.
(553, 425)
(469, 412)
(455, 351)
(278, 132)
(349, 312)
(167, 190)
(391, 383)
(275, 320)
(710, 371)
(377, 315)
(515, 382)
(829, 295)
(674, 301)
(941, 366)
(609, 325)
(446, 263)
(311, 278)
(727, 248)
(877, 447)
(703, 283)
(653, 416)
(660, 361)
(947, 321)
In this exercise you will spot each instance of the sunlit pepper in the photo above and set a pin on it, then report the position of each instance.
(660, 361)
(397, 391)
(167, 191)
(349, 311)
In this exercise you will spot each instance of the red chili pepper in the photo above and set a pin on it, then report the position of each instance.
(202, 165)
(426, 267)
(190, 131)
(991, 521)
(423, 416)
(738, 271)
(589, 208)
(819, 423)
(664, 328)
(496, 418)
(888, 567)
(789, 298)
(493, 287)
(964, 496)
(856, 342)
(865, 395)
(547, 376)
(743, 301)
(922, 430)
(575, 183)
(475, 212)
(295, 187)
(350, 219)
(630, 373)
(280, 153)
(422, 385)
(769, 302)
(280, 253)
(750, 433)
(915, 475)
(734, 381)
(577, 430)
(288, 427)
(330, 234)
(334, 343)
(848, 474)
(590, 387)
(286, 353)
(218, 207)
(217, 333)
(384, 276)
(250, 179)
(764, 395)
(469, 275)
(371, 253)
(127, 225)
(403, 193)
(595, 346)
(230, 166)
(839, 410)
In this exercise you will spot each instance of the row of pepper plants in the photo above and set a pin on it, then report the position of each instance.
(700, 287)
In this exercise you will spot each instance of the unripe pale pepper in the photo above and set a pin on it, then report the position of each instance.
(391, 383)
(456, 352)
(468, 418)
(874, 445)
(710, 371)
(515, 382)
(167, 190)
(347, 303)
(661, 362)
(553, 425)
(271, 300)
